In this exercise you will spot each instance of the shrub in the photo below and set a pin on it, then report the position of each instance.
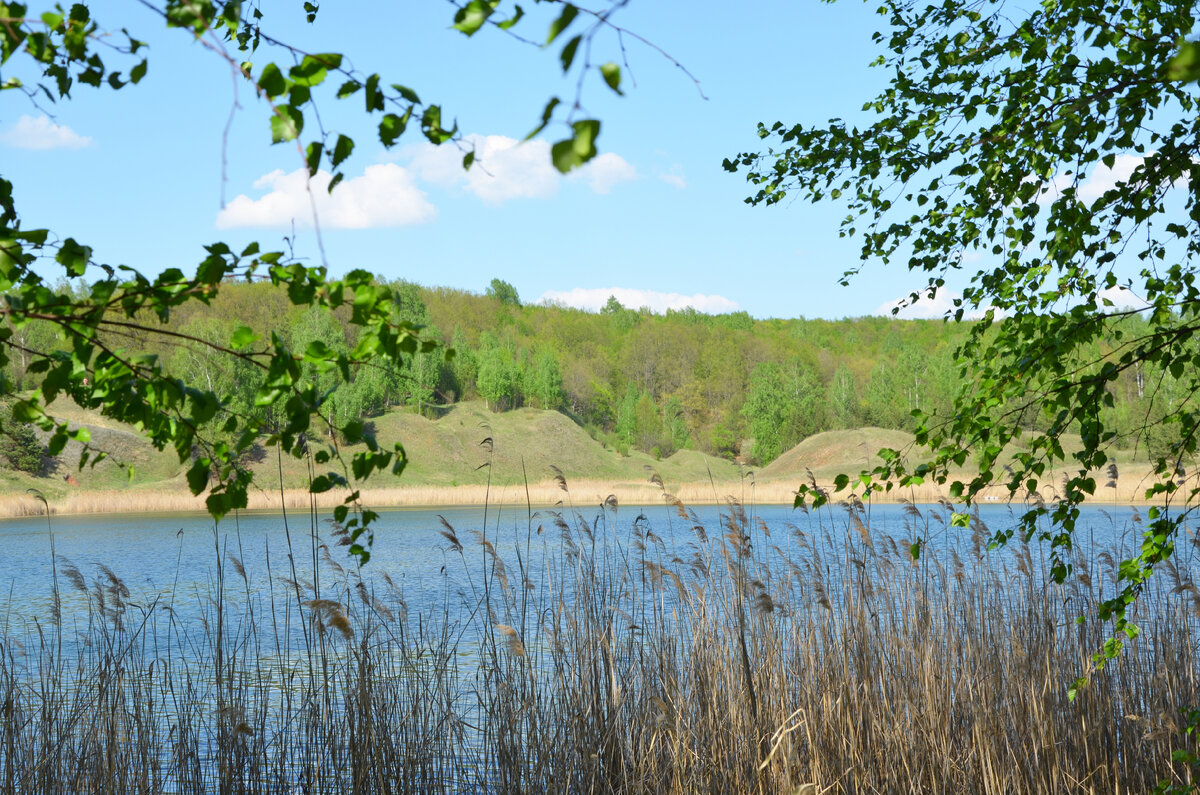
(19, 445)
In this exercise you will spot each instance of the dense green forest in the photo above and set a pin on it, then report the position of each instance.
(728, 384)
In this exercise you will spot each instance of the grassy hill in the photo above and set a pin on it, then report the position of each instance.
(832, 452)
(449, 451)
(449, 463)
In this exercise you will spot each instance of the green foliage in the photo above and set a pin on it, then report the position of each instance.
(986, 146)
(498, 379)
(695, 367)
(1187, 758)
(209, 389)
(543, 381)
(782, 407)
(503, 292)
(626, 426)
(19, 445)
(844, 406)
(677, 434)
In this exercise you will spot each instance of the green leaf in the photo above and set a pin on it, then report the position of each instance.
(242, 337)
(431, 125)
(272, 81)
(1184, 66)
(56, 443)
(298, 95)
(612, 76)
(73, 257)
(218, 504)
(138, 72)
(564, 20)
(286, 124)
(374, 97)
(547, 112)
(342, 150)
(567, 56)
(513, 20)
(470, 18)
(578, 149)
(353, 431)
(198, 474)
(313, 157)
(317, 351)
(407, 93)
(391, 127)
(1076, 688)
(313, 69)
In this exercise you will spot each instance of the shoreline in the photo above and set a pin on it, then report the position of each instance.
(545, 494)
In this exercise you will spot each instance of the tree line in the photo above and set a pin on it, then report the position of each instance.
(728, 385)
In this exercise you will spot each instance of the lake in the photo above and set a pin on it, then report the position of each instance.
(173, 556)
(572, 650)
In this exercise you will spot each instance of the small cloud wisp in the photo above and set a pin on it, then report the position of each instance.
(40, 133)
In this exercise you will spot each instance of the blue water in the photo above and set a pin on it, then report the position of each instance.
(189, 564)
(172, 557)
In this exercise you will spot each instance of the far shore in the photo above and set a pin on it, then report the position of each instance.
(579, 494)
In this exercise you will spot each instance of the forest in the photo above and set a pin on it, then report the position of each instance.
(729, 385)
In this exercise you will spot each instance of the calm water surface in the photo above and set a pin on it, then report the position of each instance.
(189, 564)
(172, 557)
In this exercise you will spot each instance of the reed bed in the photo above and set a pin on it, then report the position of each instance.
(590, 653)
(1129, 490)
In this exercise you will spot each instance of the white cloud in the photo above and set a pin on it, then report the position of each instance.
(503, 168)
(1120, 298)
(673, 177)
(1101, 180)
(39, 132)
(385, 195)
(594, 299)
(926, 308)
(943, 305)
(1104, 179)
(506, 168)
(604, 172)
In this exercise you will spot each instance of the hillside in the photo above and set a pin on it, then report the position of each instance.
(731, 386)
(449, 464)
(525, 444)
(449, 451)
(832, 452)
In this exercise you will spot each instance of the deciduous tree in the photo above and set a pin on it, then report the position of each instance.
(1055, 147)
(48, 53)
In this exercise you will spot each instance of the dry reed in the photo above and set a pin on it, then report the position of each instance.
(607, 657)
(1130, 489)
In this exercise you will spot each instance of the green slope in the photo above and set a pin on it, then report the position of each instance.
(448, 451)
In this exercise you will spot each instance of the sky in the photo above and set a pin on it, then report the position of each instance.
(150, 174)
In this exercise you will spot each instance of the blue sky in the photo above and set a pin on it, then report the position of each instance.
(138, 174)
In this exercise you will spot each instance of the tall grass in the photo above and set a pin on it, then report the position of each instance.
(582, 653)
